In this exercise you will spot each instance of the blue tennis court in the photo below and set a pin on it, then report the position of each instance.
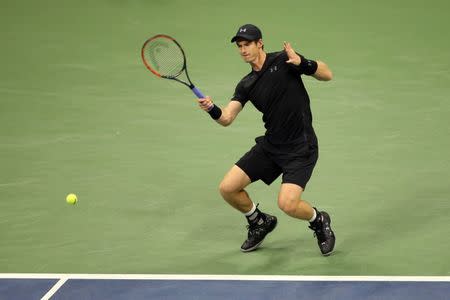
(118, 287)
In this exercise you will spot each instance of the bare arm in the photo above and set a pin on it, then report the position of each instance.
(229, 112)
(322, 73)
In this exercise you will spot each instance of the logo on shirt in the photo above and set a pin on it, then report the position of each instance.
(273, 69)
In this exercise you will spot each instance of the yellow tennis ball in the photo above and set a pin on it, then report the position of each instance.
(71, 199)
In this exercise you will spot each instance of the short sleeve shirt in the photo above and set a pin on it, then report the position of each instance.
(278, 92)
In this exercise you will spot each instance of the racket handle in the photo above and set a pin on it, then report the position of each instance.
(197, 92)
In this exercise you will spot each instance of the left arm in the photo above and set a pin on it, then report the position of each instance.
(322, 72)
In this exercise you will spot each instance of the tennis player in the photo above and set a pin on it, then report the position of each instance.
(288, 148)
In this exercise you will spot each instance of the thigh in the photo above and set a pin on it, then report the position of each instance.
(257, 165)
(235, 180)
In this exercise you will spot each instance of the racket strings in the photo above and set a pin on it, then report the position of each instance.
(165, 57)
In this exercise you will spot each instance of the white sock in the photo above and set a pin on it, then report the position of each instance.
(248, 214)
(314, 216)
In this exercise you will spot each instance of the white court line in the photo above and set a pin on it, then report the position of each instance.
(55, 288)
(221, 277)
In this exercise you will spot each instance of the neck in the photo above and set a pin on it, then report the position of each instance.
(258, 63)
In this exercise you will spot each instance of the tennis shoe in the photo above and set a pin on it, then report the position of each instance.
(257, 232)
(322, 231)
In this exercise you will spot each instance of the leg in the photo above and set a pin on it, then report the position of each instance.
(232, 189)
(260, 224)
(289, 201)
(253, 166)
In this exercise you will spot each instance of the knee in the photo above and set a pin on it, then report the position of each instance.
(226, 188)
(288, 205)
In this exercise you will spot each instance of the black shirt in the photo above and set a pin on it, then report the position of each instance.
(278, 92)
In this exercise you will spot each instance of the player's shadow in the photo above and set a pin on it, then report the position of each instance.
(275, 256)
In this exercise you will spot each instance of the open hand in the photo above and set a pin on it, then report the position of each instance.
(293, 58)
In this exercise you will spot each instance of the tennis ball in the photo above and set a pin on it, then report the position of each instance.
(71, 199)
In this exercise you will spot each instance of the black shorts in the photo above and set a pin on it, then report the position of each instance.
(267, 162)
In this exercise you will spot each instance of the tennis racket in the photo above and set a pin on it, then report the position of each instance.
(165, 58)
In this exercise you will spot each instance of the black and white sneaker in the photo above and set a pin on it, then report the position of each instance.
(257, 232)
(323, 233)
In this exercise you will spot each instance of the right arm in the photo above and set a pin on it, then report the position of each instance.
(229, 112)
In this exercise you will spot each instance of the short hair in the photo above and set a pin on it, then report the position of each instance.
(255, 41)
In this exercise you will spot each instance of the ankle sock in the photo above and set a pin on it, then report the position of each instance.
(254, 216)
(314, 217)
(315, 220)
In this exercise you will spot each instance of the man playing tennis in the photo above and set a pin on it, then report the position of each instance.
(289, 146)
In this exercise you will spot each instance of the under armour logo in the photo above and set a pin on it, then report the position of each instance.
(273, 69)
(243, 30)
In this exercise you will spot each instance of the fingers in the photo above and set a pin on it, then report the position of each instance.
(289, 51)
(205, 103)
(293, 58)
(287, 47)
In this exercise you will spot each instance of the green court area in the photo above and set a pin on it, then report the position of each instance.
(79, 113)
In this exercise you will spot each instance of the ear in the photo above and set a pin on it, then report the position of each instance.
(260, 44)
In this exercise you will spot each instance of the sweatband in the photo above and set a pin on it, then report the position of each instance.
(215, 112)
(308, 67)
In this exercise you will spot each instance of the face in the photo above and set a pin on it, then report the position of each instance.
(249, 50)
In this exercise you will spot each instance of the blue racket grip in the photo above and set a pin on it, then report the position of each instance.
(197, 92)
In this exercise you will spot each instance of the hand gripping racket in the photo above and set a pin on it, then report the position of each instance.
(165, 58)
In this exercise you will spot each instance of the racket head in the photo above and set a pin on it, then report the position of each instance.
(163, 56)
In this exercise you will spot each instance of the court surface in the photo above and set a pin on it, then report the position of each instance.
(115, 287)
(79, 113)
